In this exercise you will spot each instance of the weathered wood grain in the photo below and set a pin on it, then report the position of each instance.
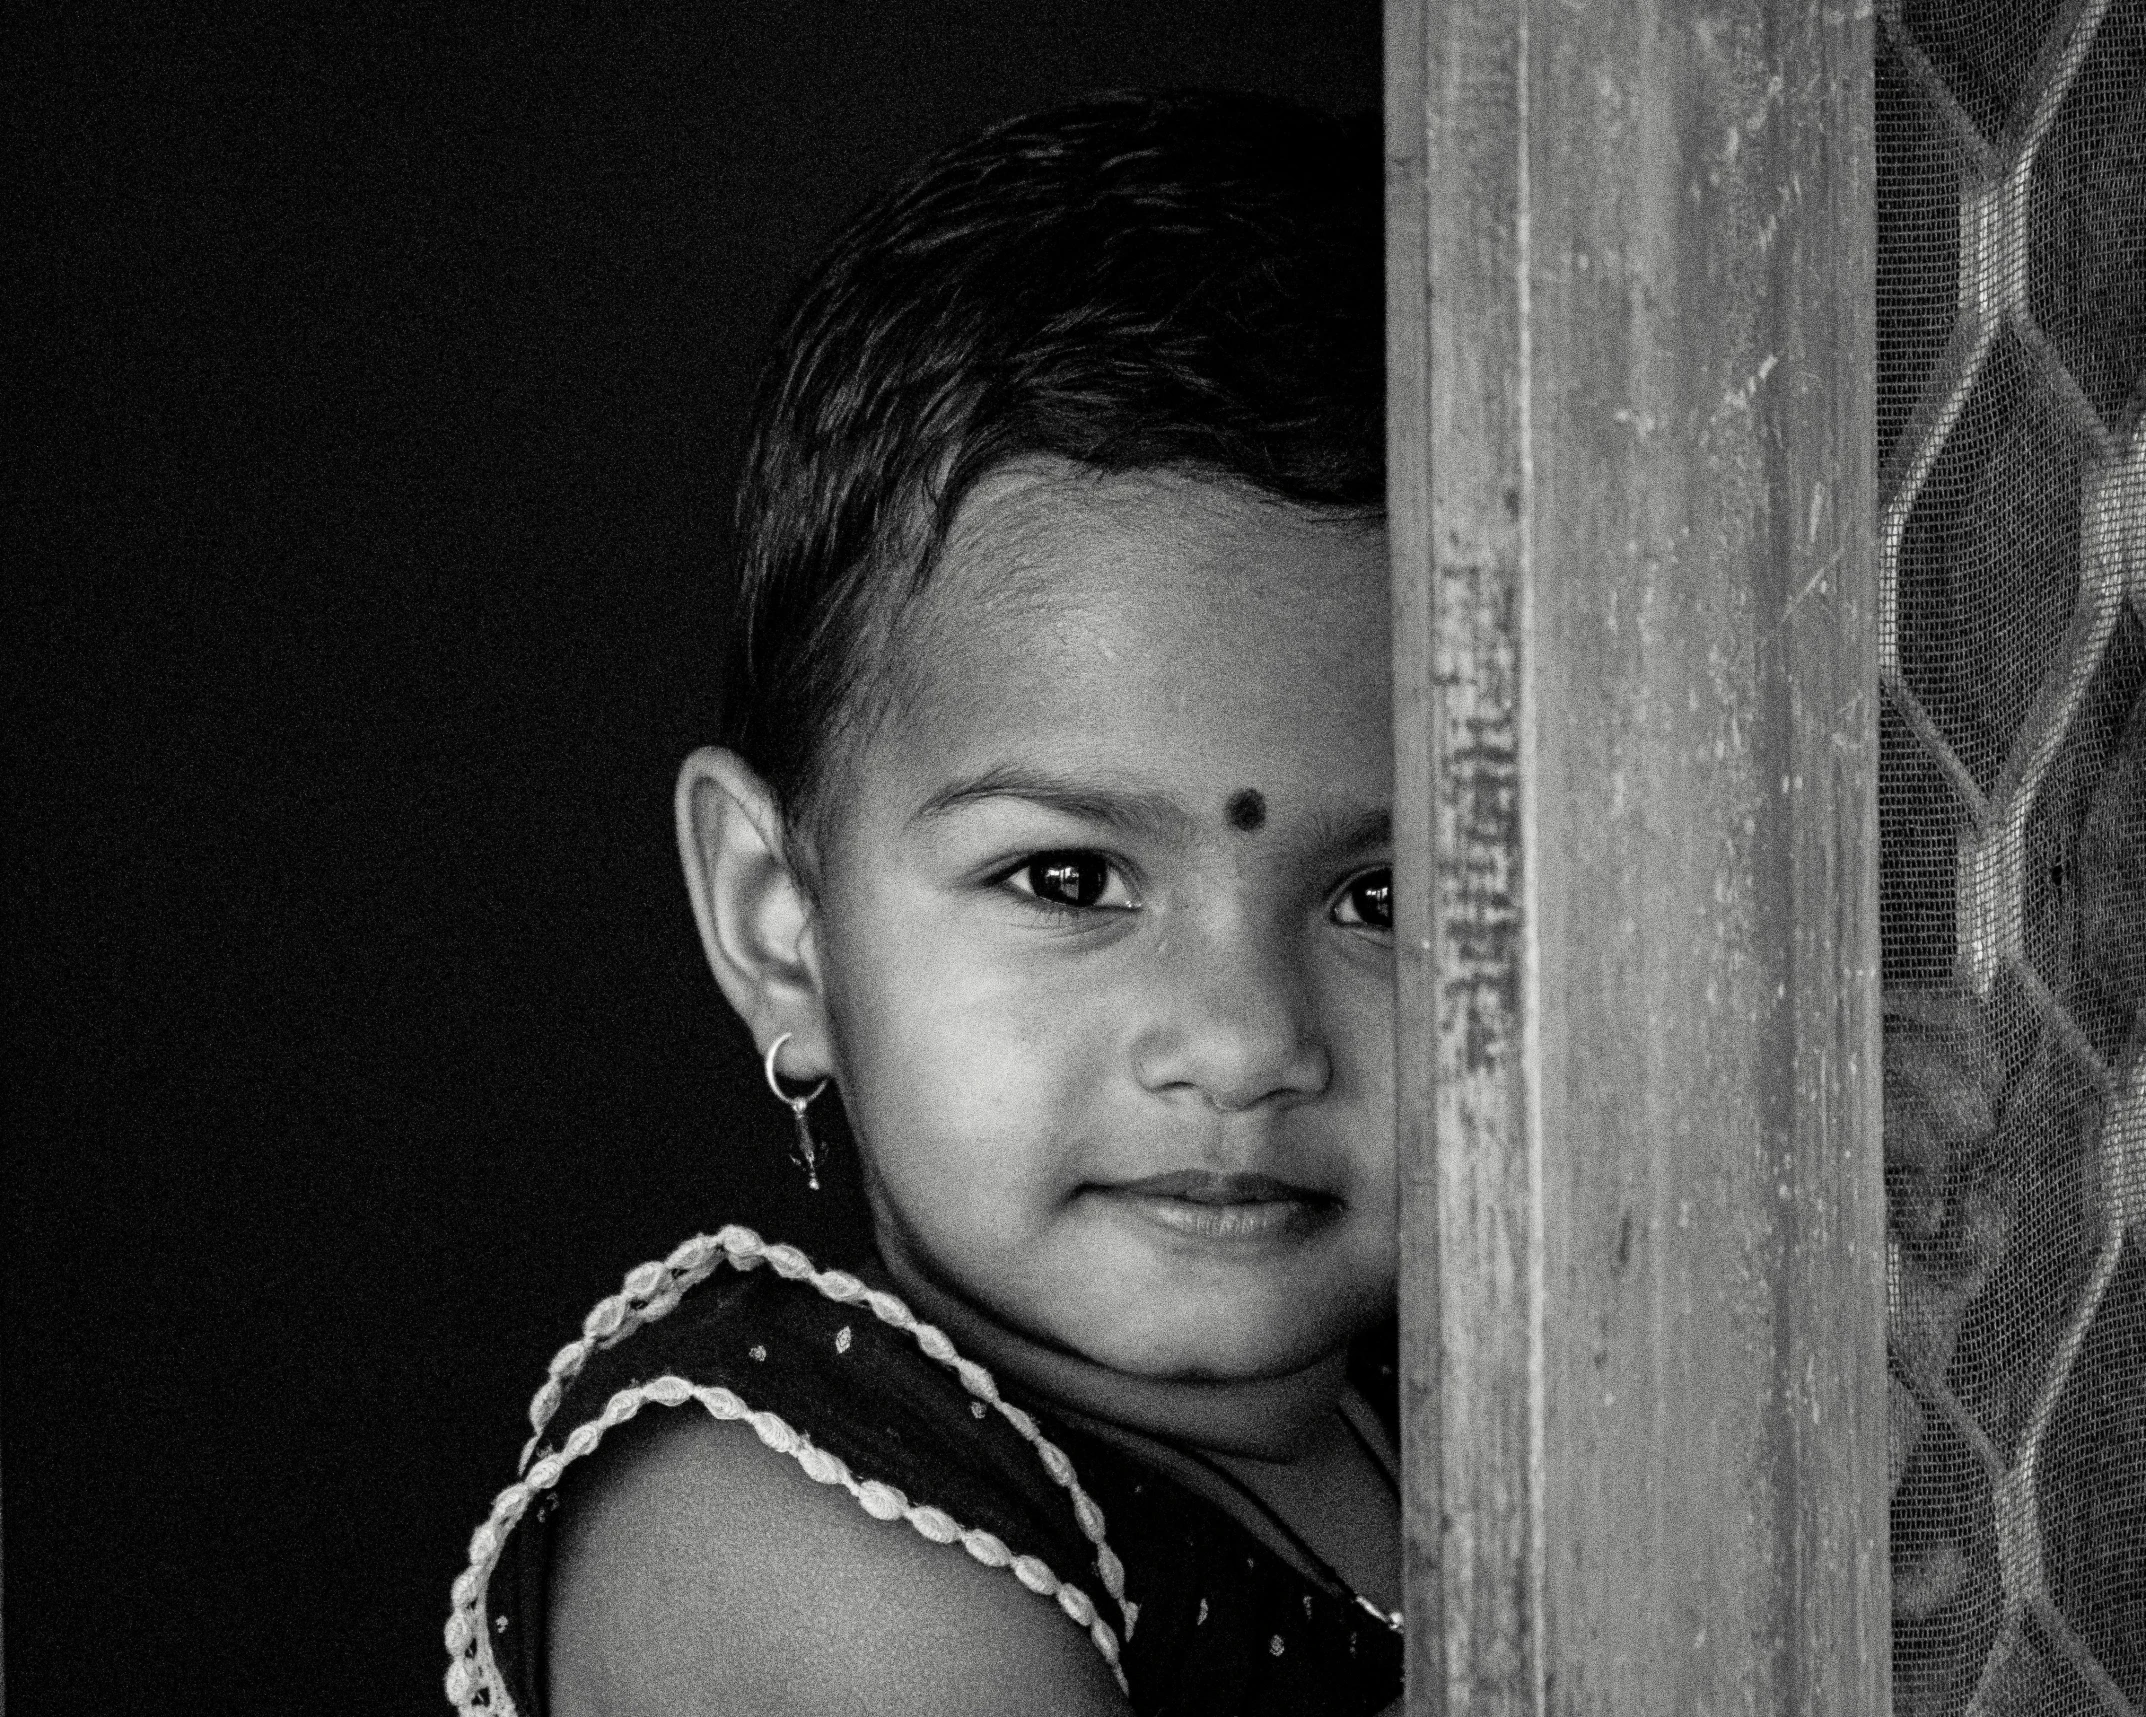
(1632, 407)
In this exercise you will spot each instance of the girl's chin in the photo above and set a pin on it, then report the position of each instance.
(1139, 1299)
(1232, 1331)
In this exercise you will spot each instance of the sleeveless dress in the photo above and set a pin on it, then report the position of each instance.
(1198, 1599)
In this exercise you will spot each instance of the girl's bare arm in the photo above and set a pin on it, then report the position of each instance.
(707, 1573)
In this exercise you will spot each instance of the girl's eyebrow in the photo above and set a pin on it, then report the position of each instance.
(1133, 809)
(1344, 833)
(1087, 799)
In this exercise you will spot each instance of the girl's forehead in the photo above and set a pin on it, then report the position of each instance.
(1154, 615)
(1050, 565)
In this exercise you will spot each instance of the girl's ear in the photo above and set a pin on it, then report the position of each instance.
(755, 915)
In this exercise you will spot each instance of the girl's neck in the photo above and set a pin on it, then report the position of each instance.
(1271, 1418)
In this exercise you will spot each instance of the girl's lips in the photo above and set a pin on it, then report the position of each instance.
(1209, 1206)
(1207, 1186)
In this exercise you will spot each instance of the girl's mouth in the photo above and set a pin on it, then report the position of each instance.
(1207, 1205)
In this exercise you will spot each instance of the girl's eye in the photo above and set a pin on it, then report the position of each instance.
(1075, 879)
(1368, 900)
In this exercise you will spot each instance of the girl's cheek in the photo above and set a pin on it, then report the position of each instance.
(1357, 1005)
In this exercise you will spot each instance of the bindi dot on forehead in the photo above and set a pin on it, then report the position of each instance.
(1247, 809)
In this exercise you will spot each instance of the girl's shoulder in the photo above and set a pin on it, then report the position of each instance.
(817, 1605)
(841, 1451)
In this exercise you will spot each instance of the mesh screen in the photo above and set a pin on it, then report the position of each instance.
(2012, 802)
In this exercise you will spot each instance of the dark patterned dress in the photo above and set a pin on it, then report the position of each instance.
(1198, 1599)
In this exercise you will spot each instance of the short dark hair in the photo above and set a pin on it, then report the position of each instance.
(1187, 281)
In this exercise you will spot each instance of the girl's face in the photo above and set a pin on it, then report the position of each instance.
(1103, 930)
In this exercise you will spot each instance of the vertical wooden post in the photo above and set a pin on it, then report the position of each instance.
(1632, 489)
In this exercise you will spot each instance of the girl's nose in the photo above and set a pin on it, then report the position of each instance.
(1234, 1025)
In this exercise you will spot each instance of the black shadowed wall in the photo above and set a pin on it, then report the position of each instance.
(365, 547)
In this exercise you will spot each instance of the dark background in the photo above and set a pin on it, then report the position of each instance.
(364, 571)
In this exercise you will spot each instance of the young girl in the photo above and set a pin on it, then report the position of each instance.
(1051, 830)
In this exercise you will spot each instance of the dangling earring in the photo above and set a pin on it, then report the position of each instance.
(807, 1150)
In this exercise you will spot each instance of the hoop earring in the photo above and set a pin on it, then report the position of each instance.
(806, 1151)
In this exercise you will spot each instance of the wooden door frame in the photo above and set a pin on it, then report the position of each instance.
(1632, 408)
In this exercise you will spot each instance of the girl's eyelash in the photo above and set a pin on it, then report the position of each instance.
(1051, 874)
(1046, 878)
(1377, 880)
